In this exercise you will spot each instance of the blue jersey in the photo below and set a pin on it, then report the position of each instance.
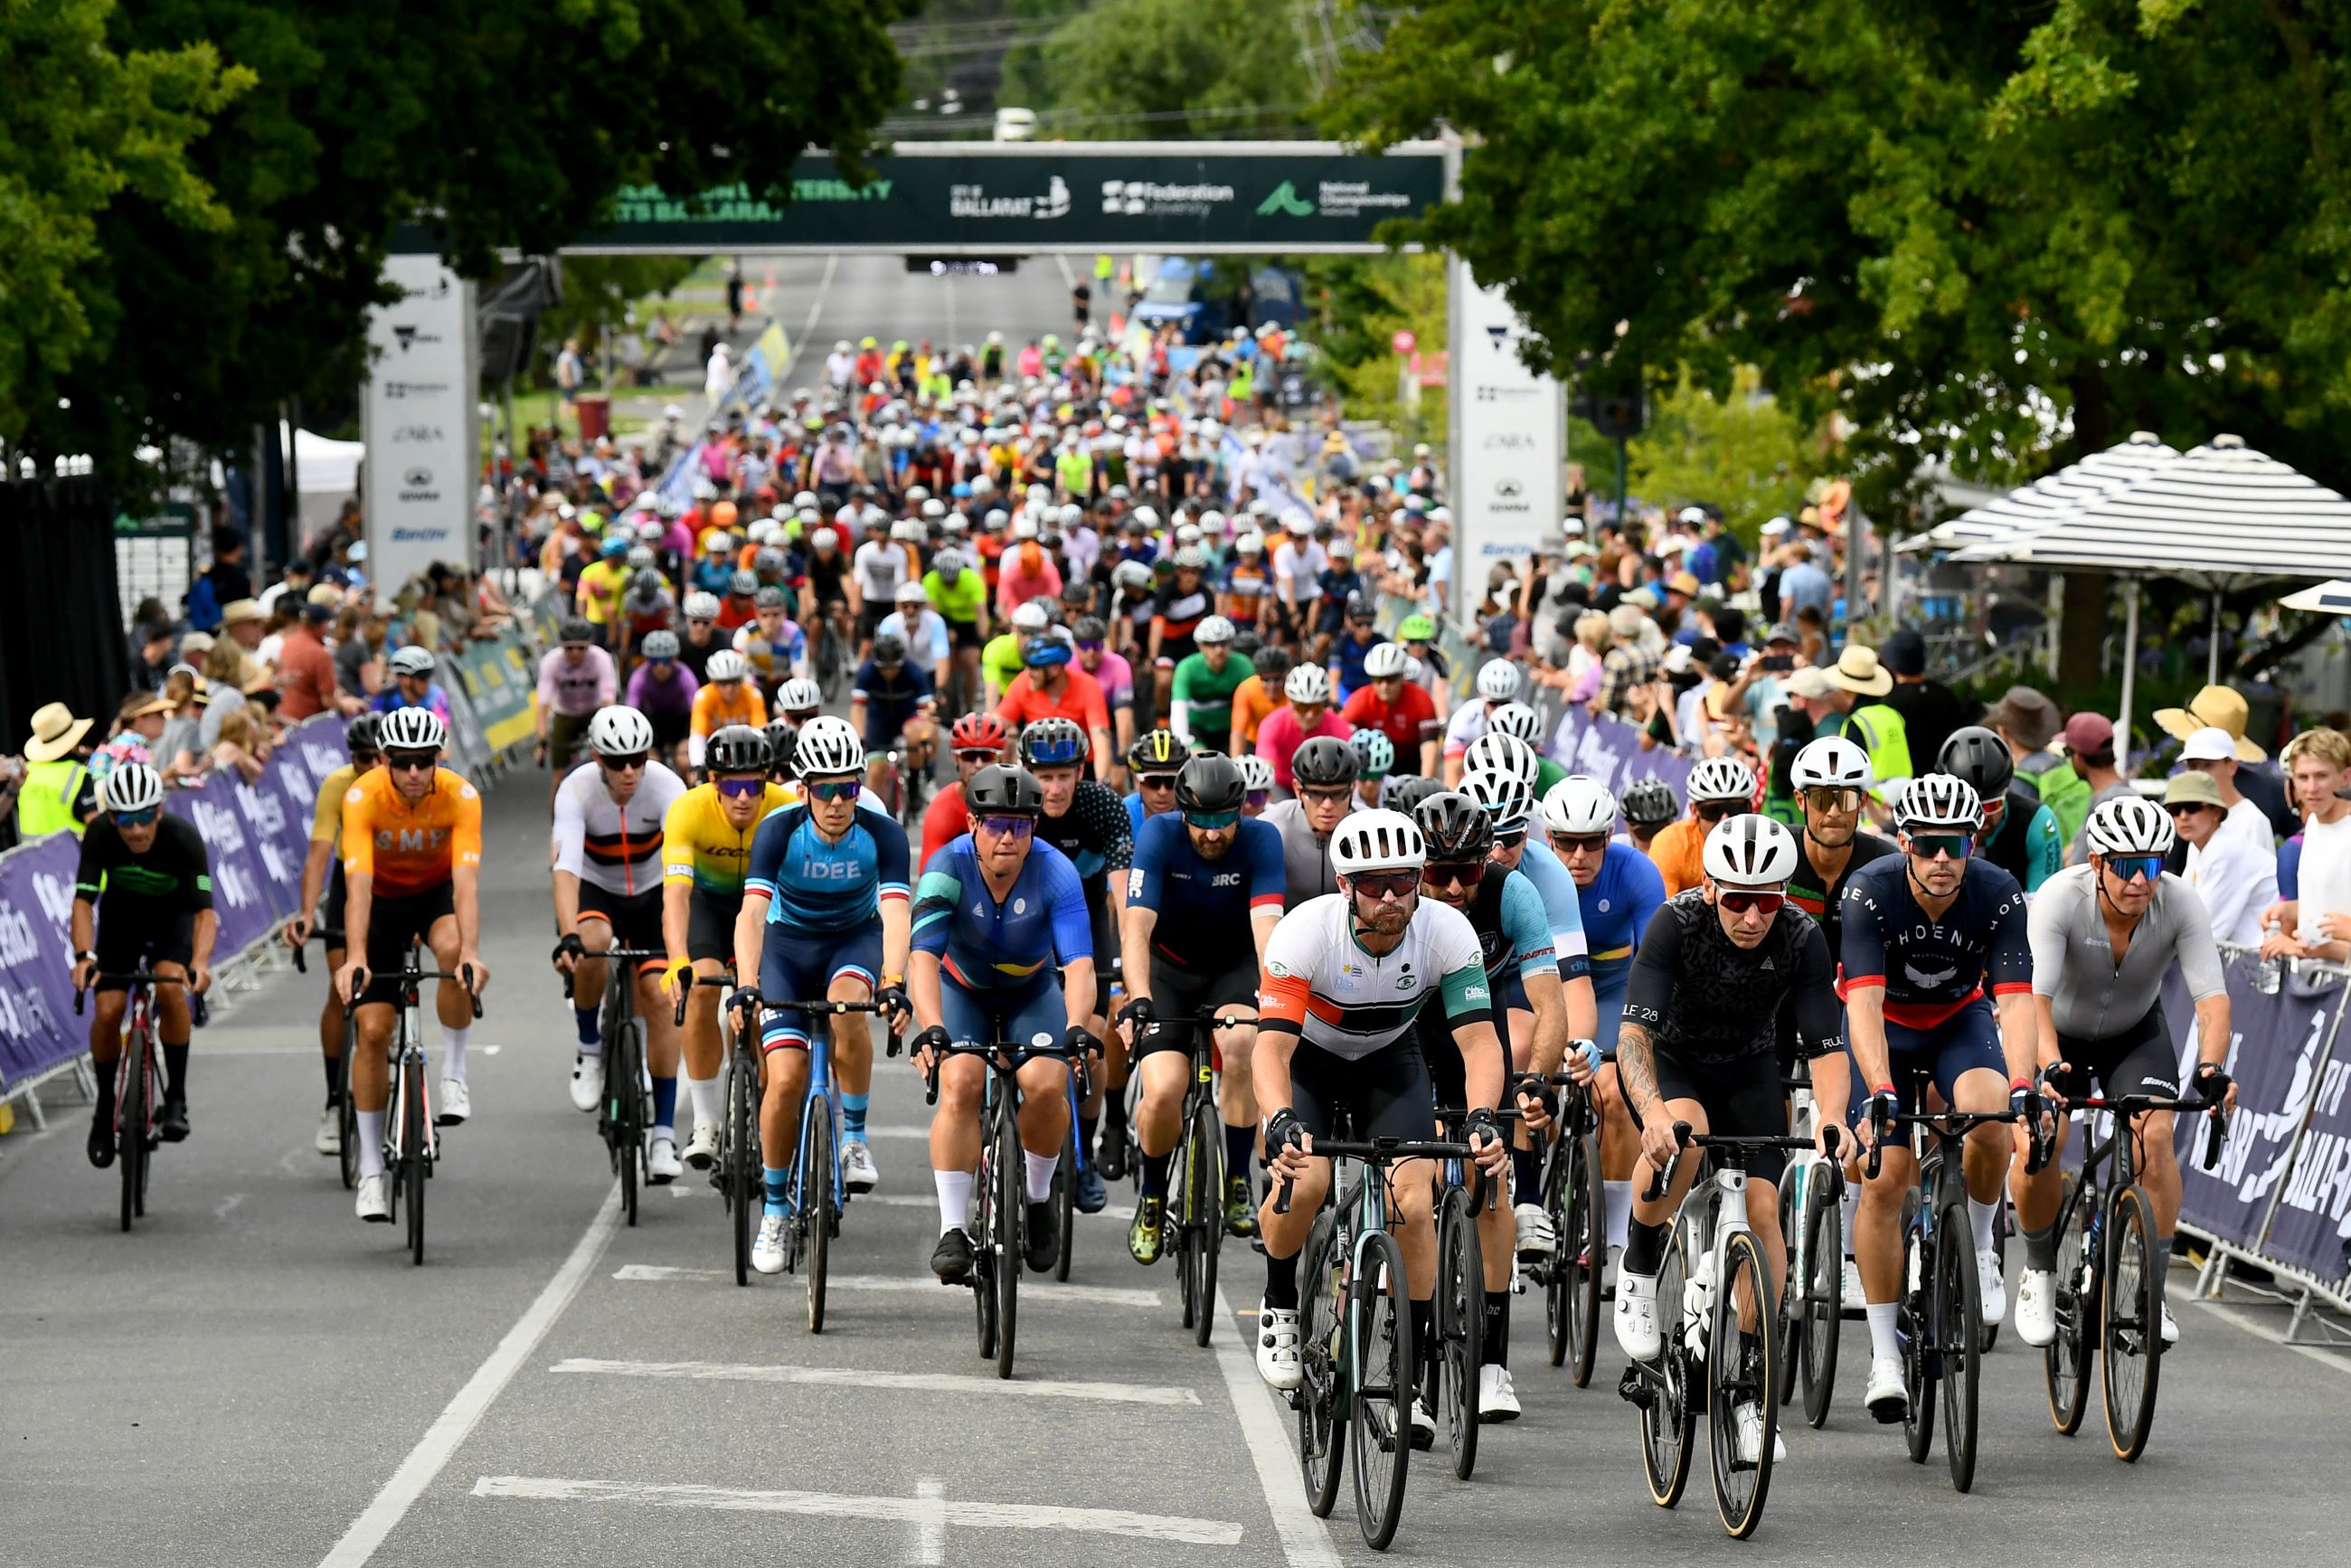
(1617, 909)
(1932, 968)
(1513, 931)
(816, 886)
(1347, 663)
(1556, 883)
(891, 699)
(1135, 819)
(987, 943)
(1204, 906)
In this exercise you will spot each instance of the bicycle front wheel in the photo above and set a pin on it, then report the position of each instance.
(625, 1096)
(411, 1149)
(347, 1121)
(815, 1216)
(2132, 1342)
(1065, 1201)
(1819, 1316)
(1321, 1392)
(1011, 1201)
(1379, 1341)
(1959, 1330)
(131, 1116)
(1669, 1416)
(1460, 1308)
(1205, 1218)
(739, 1162)
(1741, 1378)
(1915, 1322)
(2065, 1363)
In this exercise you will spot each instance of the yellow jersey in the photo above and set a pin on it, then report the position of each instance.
(701, 847)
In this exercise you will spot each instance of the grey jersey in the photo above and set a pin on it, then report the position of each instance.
(1306, 869)
(2092, 996)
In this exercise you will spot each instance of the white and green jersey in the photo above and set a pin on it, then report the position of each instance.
(1320, 984)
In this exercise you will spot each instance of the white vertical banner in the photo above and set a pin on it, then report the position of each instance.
(418, 418)
(1508, 434)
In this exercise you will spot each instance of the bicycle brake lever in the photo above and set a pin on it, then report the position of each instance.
(2213, 1138)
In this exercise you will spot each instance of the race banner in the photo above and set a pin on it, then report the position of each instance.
(1614, 752)
(37, 1026)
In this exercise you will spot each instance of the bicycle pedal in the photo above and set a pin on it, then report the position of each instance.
(1636, 1390)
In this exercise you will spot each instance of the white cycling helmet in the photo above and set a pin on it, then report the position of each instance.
(727, 664)
(1517, 719)
(1829, 763)
(413, 729)
(1257, 773)
(2128, 825)
(1375, 753)
(1493, 752)
(619, 731)
(661, 645)
(1939, 800)
(1130, 577)
(1497, 681)
(412, 661)
(700, 606)
(907, 531)
(131, 787)
(1720, 779)
(1384, 660)
(1250, 543)
(1306, 686)
(948, 564)
(1579, 805)
(1030, 616)
(1750, 851)
(1215, 628)
(1377, 840)
(799, 695)
(1507, 798)
(829, 746)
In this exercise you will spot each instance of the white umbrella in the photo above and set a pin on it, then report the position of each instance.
(2050, 498)
(2326, 599)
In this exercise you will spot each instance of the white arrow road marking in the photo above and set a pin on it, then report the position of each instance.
(856, 1377)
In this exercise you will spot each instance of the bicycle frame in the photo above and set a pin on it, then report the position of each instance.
(823, 1098)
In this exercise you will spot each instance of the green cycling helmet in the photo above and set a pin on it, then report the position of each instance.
(1416, 628)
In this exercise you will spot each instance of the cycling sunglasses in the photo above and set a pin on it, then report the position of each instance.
(1927, 846)
(1157, 781)
(1509, 839)
(414, 762)
(1827, 798)
(735, 789)
(833, 789)
(1378, 884)
(1011, 827)
(1740, 903)
(1714, 811)
(1327, 796)
(1090, 644)
(1259, 797)
(1209, 822)
(145, 819)
(1452, 873)
(2129, 868)
(981, 755)
(622, 764)
(1586, 843)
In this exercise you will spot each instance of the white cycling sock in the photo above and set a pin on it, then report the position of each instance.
(1848, 1204)
(1616, 1197)
(1883, 1344)
(1983, 1213)
(1040, 1171)
(370, 1136)
(453, 1050)
(955, 1198)
(704, 1093)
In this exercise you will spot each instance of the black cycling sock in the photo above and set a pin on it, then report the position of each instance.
(1086, 1136)
(1496, 1351)
(103, 1072)
(2041, 1248)
(334, 1066)
(1113, 1116)
(175, 1067)
(1424, 1337)
(1526, 1176)
(1154, 1174)
(2162, 1264)
(1239, 1144)
(1645, 1248)
(1281, 1282)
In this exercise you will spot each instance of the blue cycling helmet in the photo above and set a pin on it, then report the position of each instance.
(1045, 653)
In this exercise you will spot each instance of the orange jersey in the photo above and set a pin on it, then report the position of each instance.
(1678, 851)
(713, 710)
(409, 849)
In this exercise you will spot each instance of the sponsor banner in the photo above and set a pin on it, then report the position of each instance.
(498, 683)
(418, 415)
(1508, 433)
(37, 1026)
(1614, 752)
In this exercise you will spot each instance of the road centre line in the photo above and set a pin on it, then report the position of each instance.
(858, 1377)
(927, 1512)
(909, 1284)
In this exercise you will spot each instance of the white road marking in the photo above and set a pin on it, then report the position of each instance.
(458, 1418)
(918, 1200)
(816, 309)
(856, 1377)
(930, 1521)
(1305, 1540)
(921, 1511)
(2255, 1326)
(872, 1131)
(911, 1284)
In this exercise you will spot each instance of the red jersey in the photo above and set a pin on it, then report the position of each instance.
(1412, 720)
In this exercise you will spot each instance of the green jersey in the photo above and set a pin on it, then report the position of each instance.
(1208, 694)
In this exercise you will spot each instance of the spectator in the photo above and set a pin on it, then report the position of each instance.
(359, 646)
(1631, 665)
(244, 744)
(1929, 709)
(2236, 880)
(246, 623)
(2090, 750)
(1873, 726)
(2028, 721)
(154, 649)
(307, 680)
(1805, 586)
(2316, 923)
(223, 583)
(299, 579)
(2212, 752)
(178, 750)
(2223, 707)
(59, 789)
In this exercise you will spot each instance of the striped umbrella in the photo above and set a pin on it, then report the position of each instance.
(2050, 498)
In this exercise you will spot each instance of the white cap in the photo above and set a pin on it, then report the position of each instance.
(1776, 526)
(2211, 744)
(1694, 516)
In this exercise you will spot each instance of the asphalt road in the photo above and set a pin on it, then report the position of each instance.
(256, 1377)
(820, 300)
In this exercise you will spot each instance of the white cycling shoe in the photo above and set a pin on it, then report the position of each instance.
(456, 1102)
(2170, 1325)
(701, 1150)
(587, 1082)
(1636, 1316)
(767, 1250)
(2036, 1307)
(1424, 1424)
(858, 1171)
(1277, 1346)
(1749, 1418)
(329, 1141)
(1994, 1288)
(661, 1161)
(1497, 1400)
(1537, 1238)
(375, 1199)
(1888, 1397)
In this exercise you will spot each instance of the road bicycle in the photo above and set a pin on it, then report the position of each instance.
(138, 1085)
(1573, 1200)
(627, 1112)
(903, 788)
(411, 1140)
(1075, 1161)
(1357, 1371)
(835, 660)
(736, 1172)
(1720, 1345)
(2108, 1281)
(347, 1126)
(1458, 1309)
(1811, 1223)
(1196, 1180)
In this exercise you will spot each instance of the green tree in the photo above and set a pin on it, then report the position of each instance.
(1159, 68)
(1746, 453)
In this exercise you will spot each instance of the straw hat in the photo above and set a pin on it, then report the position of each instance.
(2217, 707)
(56, 731)
(1857, 670)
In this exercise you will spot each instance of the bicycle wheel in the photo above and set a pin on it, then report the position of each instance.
(1959, 1330)
(814, 1218)
(412, 1168)
(2131, 1341)
(1741, 1373)
(346, 1116)
(983, 1229)
(1321, 1295)
(1820, 1315)
(1915, 1324)
(626, 1099)
(739, 1161)
(1792, 1225)
(1011, 1199)
(2065, 1363)
(131, 1118)
(1379, 1341)
(1208, 1215)
(1065, 1201)
(1460, 1308)
(1669, 1415)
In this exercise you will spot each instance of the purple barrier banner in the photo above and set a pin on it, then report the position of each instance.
(240, 890)
(1614, 752)
(37, 1026)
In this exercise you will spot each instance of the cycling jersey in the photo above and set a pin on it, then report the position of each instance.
(1094, 833)
(1809, 891)
(1932, 968)
(600, 587)
(1204, 906)
(327, 812)
(782, 657)
(1320, 985)
(720, 703)
(1306, 869)
(659, 700)
(2090, 995)
(2028, 844)
(1513, 932)
(1560, 903)
(999, 661)
(576, 688)
(1616, 908)
(1175, 612)
(435, 701)
(1347, 666)
(1116, 678)
(891, 699)
(813, 886)
(987, 944)
(1208, 694)
(827, 577)
(1679, 854)
(1467, 724)
(1707, 1001)
(147, 892)
(959, 601)
(700, 846)
(408, 848)
(1079, 701)
(926, 641)
(1410, 721)
(613, 845)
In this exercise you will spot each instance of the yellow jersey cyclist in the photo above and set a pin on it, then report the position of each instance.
(322, 876)
(705, 854)
(609, 813)
(412, 869)
(149, 872)
(824, 915)
(1346, 976)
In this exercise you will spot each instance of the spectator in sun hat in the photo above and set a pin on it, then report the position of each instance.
(2028, 721)
(2214, 752)
(60, 789)
(1858, 684)
(2225, 708)
(2235, 880)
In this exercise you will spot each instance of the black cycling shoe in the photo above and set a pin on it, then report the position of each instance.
(101, 1138)
(1110, 1159)
(1044, 1248)
(950, 1258)
(173, 1126)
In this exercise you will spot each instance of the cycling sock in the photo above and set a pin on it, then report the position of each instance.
(1424, 1333)
(1983, 1215)
(1086, 1126)
(1281, 1282)
(1848, 1204)
(1113, 1115)
(852, 1115)
(2162, 1264)
(1616, 1197)
(665, 1107)
(1154, 1174)
(334, 1066)
(103, 1072)
(955, 1198)
(1883, 1344)
(591, 1043)
(1496, 1349)
(778, 1185)
(1241, 1143)
(704, 1093)
(175, 1070)
(1645, 1248)
(1526, 1176)
(1038, 1170)
(453, 1050)
(2041, 1248)
(371, 1123)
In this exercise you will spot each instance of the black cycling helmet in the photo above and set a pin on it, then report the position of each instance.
(1154, 752)
(1271, 663)
(1650, 802)
(364, 736)
(1053, 742)
(1457, 826)
(783, 737)
(999, 790)
(575, 628)
(1359, 607)
(889, 649)
(1325, 761)
(1405, 791)
(1211, 782)
(1090, 629)
(1980, 757)
(736, 748)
